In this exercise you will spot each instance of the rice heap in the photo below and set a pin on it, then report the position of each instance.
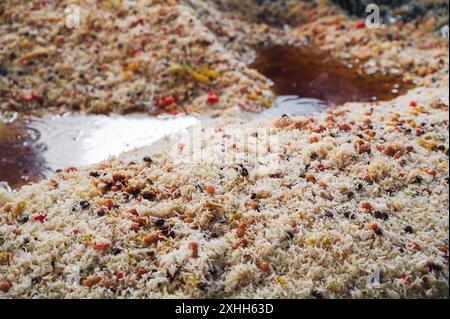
(149, 56)
(352, 203)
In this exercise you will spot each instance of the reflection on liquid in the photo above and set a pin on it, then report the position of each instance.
(29, 150)
(294, 105)
(309, 73)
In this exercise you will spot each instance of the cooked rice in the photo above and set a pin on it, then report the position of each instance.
(347, 204)
(316, 240)
(124, 57)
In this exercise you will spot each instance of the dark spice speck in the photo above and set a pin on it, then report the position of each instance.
(35, 280)
(349, 215)
(85, 204)
(433, 267)
(116, 251)
(242, 170)
(101, 212)
(380, 215)
(289, 235)
(160, 222)
(149, 196)
(94, 174)
(418, 180)
(328, 214)
(23, 218)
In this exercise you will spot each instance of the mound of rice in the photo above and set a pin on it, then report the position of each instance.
(352, 203)
(346, 204)
(148, 56)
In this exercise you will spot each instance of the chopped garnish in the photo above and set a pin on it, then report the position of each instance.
(213, 98)
(40, 217)
(193, 246)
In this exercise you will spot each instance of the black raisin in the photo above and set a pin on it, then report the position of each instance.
(328, 214)
(116, 251)
(151, 254)
(94, 174)
(108, 186)
(289, 235)
(160, 222)
(136, 193)
(85, 204)
(433, 267)
(381, 215)
(101, 213)
(35, 280)
(23, 218)
(418, 180)
(164, 230)
(242, 170)
(149, 196)
(350, 215)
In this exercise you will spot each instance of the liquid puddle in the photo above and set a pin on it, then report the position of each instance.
(21, 161)
(309, 73)
(32, 149)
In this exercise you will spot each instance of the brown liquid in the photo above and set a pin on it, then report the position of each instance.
(20, 158)
(307, 72)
